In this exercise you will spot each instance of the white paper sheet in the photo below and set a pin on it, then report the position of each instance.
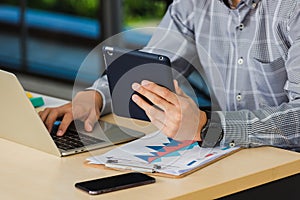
(161, 154)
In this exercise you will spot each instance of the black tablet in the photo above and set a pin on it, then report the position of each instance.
(124, 67)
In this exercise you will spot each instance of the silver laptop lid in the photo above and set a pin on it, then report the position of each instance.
(19, 121)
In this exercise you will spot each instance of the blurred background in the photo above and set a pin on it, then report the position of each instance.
(44, 42)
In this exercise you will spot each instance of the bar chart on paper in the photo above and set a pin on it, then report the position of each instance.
(161, 154)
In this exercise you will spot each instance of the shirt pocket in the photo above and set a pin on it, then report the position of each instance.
(270, 77)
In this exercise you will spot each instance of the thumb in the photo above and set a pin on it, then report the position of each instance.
(88, 126)
(90, 121)
(178, 90)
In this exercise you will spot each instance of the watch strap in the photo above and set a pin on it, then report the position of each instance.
(212, 133)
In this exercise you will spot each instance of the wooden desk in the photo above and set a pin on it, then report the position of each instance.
(30, 174)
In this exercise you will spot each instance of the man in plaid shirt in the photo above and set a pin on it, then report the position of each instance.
(248, 52)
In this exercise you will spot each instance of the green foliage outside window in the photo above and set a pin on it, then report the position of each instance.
(86, 8)
(135, 11)
(143, 11)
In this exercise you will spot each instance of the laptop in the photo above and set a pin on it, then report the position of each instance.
(21, 123)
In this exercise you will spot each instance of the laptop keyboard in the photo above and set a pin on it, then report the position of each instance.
(72, 139)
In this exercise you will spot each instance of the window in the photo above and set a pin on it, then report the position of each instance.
(51, 38)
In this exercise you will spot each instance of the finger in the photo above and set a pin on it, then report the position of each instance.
(178, 90)
(65, 123)
(151, 111)
(156, 116)
(50, 119)
(79, 112)
(155, 99)
(43, 114)
(160, 91)
(157, 123)
(165, 127)
(170, 129)
(91, 120)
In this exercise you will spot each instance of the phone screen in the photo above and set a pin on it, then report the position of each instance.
(113, 183)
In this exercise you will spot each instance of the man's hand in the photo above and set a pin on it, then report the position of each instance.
(178, 117)
(85, 106)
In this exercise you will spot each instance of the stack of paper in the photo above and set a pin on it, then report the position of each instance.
(160, 154)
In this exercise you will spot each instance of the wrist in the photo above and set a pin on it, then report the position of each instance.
(212, 133)
(204, 130)
(202, 123)
(98, 100)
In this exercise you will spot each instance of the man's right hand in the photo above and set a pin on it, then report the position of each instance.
(85, 106)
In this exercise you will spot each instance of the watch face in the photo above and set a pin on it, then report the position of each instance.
(213, 136)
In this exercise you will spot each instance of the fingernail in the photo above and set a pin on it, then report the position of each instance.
(134, 97)
(145, 82)
(89, 127)
(175, 82)
(135, 86)
(59, 133)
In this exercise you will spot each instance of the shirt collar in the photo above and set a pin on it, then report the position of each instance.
(249, 3)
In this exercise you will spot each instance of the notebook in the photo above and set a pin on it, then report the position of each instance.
(21, 123)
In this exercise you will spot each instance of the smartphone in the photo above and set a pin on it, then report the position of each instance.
(124, 67)
(114, 183)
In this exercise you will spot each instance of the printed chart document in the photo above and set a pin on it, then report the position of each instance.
(156, 153)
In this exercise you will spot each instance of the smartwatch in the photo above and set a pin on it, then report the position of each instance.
(212, 133)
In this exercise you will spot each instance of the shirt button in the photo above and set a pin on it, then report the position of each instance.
(239, 97)
(232, 144)
(254, 5)
(241, 26)
(240, 61)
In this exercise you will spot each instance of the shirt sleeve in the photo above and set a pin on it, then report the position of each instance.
(173, 38)
(274, 126)
(101, 86)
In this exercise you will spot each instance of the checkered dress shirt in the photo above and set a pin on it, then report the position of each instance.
(250, 59)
